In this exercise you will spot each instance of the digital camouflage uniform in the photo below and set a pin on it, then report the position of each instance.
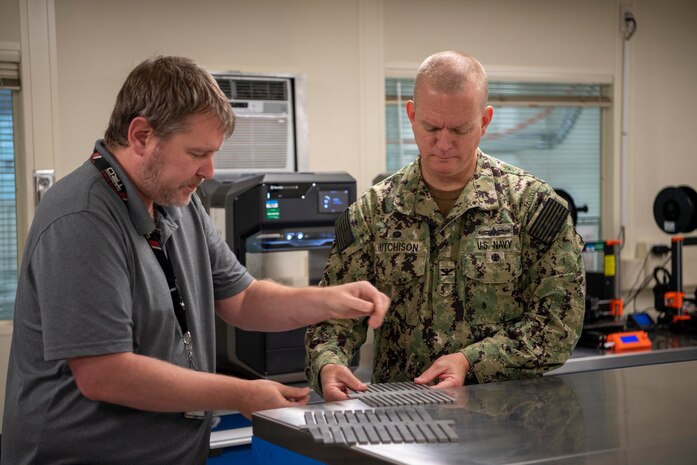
(500, 279)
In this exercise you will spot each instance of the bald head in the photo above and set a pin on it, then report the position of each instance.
(451, 72)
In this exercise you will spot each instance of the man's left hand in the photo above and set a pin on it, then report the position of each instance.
(449, 369)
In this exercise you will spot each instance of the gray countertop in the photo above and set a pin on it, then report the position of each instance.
(666, 347)
(634, 415)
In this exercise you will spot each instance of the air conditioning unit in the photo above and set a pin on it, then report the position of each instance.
(271, 130)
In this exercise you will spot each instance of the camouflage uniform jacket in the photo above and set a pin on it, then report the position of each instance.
(499, 279)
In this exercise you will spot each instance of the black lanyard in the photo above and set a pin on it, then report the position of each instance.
(112, 178)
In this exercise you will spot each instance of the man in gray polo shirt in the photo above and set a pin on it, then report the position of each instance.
(122, 276)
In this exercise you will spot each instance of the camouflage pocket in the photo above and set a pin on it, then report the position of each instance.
(398, 274)
(491, 267)
(486, 286)
(400, 268)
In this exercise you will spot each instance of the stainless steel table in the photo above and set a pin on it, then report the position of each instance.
(635, 415)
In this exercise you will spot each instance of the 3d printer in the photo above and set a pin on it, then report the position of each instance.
(675, 212)
(603, 292)
(281, 227)
(604, 303)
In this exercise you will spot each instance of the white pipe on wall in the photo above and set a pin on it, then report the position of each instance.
(628, 28)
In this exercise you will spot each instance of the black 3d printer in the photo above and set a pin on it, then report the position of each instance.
(602, 320)
(675, 212)
(281, 227)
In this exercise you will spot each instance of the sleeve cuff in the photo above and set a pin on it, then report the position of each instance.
(324, 359)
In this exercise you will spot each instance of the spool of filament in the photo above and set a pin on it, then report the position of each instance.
(675, 209)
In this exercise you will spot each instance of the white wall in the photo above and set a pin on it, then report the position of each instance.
(535, 34)
(98, 42)
(663, 99)
(9, 21)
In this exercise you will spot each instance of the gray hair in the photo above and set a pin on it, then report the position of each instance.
(166, 90)
(451, 72)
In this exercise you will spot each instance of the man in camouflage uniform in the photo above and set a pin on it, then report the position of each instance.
(481, 259)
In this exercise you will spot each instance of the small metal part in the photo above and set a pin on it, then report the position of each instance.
(400, 394)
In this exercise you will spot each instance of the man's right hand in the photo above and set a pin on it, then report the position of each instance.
(335, 381)
(263, 394)
(357, 299)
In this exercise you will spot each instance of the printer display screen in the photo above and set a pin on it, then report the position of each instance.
(333, 201)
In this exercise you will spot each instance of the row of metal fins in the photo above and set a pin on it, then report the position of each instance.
(379, 426)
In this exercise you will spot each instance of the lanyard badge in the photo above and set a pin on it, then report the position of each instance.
(153, 239)
(189, 348)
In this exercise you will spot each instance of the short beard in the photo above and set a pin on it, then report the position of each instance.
(152, 186)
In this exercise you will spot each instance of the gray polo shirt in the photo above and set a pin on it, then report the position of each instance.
(91, 285)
